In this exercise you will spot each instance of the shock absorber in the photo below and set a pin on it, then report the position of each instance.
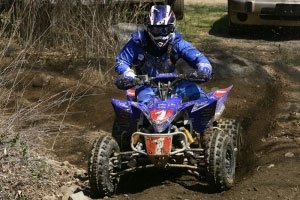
(188, 135)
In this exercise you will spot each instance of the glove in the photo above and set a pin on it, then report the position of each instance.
(129, 73)
(126, 80)
(198, 75)
(125, 83)
(205, 68)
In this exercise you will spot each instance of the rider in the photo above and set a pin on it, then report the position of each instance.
(155, 50)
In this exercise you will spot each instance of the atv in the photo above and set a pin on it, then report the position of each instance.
(167, 132)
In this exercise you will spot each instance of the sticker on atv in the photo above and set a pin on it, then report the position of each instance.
(158, 145)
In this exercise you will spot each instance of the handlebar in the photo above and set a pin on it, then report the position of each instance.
(146, 80)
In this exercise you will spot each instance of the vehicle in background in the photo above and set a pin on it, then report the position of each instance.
(263, 12)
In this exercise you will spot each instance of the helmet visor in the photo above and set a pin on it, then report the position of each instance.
(161, 30)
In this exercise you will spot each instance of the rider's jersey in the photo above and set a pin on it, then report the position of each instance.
(148, 60)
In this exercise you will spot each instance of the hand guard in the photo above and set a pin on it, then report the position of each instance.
(125, 83)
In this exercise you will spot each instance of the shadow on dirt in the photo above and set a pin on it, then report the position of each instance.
(269, 33)
(145, 179)
(292, 72)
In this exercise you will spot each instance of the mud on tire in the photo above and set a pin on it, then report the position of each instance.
(232, 128)
(103, 161)
(221, 161)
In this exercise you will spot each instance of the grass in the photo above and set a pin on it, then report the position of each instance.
(290, 58)
(199, 19)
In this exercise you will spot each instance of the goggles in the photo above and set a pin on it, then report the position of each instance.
(160, 30)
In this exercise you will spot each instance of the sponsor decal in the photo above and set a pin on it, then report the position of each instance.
(160, 116)
(141, 57)
(161, 106)
(198, 106)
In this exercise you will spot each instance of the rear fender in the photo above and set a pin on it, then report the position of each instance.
(201, 112)
(221, 96)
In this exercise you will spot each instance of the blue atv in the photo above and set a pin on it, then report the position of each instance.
(167, 132)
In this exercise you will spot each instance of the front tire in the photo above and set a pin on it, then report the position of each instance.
(221, 161)
(104, 161)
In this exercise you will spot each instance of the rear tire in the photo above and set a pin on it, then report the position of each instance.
(221, 161)
(104, 161)
(232, 128)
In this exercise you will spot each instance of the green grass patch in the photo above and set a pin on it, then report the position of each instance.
(290, 58)
(209, 42)
(200, 18)
(198, 21)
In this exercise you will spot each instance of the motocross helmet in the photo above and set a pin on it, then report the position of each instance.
(161, 24)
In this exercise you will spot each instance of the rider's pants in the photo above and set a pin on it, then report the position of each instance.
(187, 90)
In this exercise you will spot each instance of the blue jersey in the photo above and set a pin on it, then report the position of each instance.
(137, 53)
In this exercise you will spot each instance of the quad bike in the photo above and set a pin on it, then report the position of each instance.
(167, 132)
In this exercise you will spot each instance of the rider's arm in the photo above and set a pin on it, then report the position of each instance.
(126, 58)
(193, 57)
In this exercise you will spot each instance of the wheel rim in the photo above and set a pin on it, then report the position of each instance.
(229, 163)
(112, 167)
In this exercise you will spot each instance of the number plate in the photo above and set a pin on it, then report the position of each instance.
(158, 145)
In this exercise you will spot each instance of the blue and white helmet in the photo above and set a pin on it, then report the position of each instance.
(161, 24)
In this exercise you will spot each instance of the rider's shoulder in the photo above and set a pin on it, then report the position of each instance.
(179, 42)
(177, 38)
(138, 37)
